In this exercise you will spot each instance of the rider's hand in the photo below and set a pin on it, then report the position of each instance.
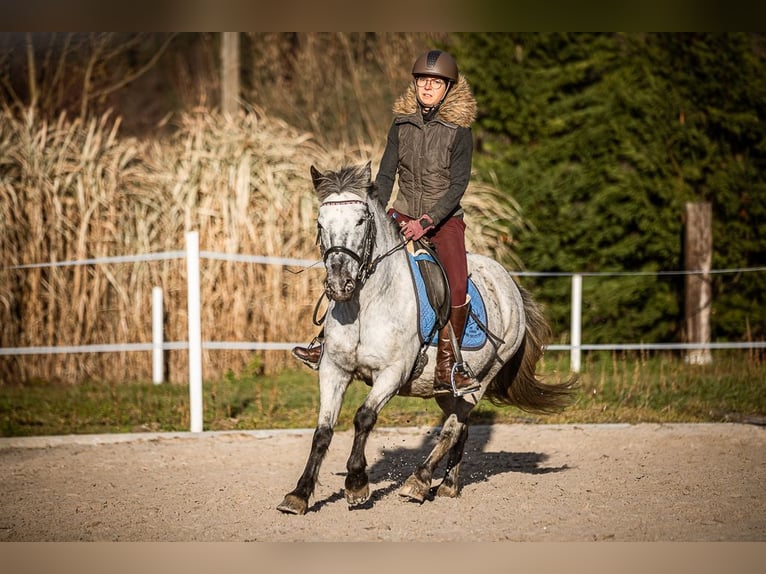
(417, 228)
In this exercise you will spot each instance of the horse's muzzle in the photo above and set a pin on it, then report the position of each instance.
(339, 289)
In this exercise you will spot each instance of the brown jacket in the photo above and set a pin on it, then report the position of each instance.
(432, 159)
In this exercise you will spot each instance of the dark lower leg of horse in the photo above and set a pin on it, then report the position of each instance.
(297, 501)
(450, 486)
(418, 485)
(357, 487)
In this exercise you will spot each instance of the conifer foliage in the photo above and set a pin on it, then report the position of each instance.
(602, 139)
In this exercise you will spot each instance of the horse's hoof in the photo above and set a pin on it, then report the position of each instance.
(293, 505)
(414, 489)
(447, 490)
(358, 497)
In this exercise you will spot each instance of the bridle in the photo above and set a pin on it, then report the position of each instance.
(367, 264)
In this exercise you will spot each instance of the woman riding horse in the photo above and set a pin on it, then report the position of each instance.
(371, 335)
(430, 147)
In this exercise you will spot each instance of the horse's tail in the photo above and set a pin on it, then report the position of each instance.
(517, 384)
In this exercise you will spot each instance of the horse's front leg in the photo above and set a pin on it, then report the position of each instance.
(297, 501)
(357, 486)
(330, 401)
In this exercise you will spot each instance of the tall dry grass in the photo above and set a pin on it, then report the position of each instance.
(74, 189)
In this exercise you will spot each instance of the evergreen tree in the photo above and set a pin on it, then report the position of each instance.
(602, 138)
(721, 154)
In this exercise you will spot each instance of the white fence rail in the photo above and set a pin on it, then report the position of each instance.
(195, 345)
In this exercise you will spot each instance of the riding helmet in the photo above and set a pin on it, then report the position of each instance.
(436, 63)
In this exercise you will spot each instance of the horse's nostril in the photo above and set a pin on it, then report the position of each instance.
(349, 286)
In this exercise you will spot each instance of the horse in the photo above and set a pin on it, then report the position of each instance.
(371, 335)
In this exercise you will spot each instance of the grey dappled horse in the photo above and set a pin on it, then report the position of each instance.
(371, 334)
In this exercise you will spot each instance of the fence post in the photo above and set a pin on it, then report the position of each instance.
(576, 323)
(158, 366)
(230, 62)
(195, 331)
(698, 256)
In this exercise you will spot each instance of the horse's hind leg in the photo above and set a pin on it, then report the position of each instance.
(418, 485)
(450, 486)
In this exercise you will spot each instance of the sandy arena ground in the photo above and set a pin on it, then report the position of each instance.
(646, 482)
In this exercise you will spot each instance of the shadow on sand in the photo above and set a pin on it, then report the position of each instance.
(478, 465)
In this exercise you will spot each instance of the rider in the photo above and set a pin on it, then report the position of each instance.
(429, 147)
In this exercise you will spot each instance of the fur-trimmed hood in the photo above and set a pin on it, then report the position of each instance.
(459, 107)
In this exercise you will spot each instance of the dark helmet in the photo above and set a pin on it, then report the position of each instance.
(436, 63)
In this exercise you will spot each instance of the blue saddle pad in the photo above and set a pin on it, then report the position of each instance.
(474, 336)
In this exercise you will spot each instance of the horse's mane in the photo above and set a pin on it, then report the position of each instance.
(356, 179)
(351, 178)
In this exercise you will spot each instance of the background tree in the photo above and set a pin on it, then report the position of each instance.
(77, 73)
(338, 85)
(602, 138)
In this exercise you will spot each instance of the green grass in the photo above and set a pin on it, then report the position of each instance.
(613, 388)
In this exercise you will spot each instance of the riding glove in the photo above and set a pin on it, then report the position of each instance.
(417, 228)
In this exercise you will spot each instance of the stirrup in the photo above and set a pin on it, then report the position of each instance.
(466, 371)
(440, 388)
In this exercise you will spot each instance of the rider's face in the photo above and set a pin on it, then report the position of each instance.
(430, 90)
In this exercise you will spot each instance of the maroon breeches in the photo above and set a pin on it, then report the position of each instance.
(449, 242)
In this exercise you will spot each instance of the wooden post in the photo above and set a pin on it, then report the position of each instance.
(698, 256)
(229, 72)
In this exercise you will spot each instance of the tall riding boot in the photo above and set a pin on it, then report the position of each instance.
(445, 357)
(311, 355)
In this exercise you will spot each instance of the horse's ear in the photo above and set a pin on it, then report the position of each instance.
(368, 170)
(315, 176)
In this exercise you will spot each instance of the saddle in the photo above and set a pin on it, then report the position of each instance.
(434, 279)
(430, 282)
(434, 302)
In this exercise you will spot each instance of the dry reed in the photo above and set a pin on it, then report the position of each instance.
(75, 189)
